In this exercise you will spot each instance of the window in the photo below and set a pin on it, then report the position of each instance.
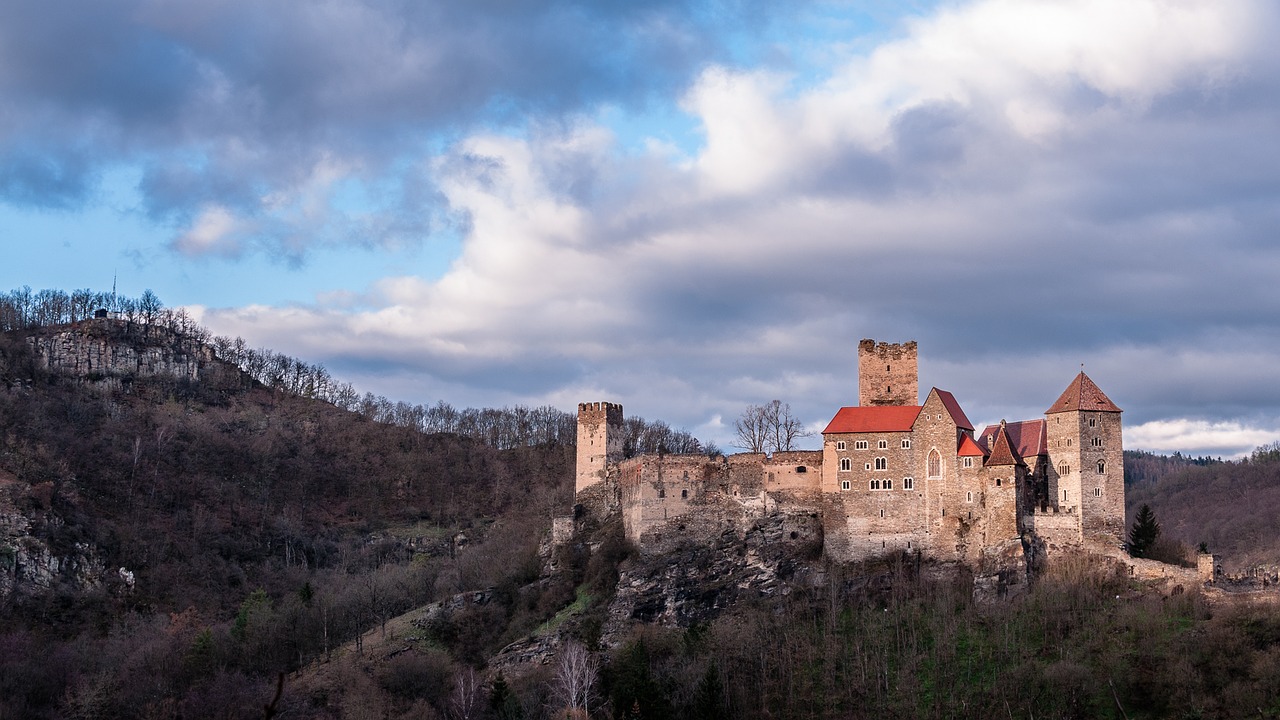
(860, 445)
(684, 493)
(882, 515)
(1097, 442)
(867, 466)
(845, 464)
(1093, 422)
(883, 464)
(968, 462)
(1097, 492)
(845, 485)
(1102, 466)
(968, 497)
(997, 482)
(888, 484)
(908, 483)
(935, 464)
(875, 484)
(662, 492)
(840, 445)
(1064, 469)
(1068, 442)
(882, 445)
(801, 469)
(906, 444)
(1064, 496)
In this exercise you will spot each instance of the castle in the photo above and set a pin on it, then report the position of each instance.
(894, 474)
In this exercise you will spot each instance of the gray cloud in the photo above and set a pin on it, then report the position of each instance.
(238, 106)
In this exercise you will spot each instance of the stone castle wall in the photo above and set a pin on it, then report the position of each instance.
(887, 374)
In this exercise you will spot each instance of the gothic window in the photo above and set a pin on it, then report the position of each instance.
(1097, 442)
(1093, 422)
(882, 463)
(908, 483)
(883, 444)
(845, 464)
(935, 464)
(968, 497)
(1102, 466)
(860, 445)
(875, 484)
(840, 445)
(888, 484)
(968, 462)
(1097, 492)
(906, 444)
(845, 485)
(1064, 469)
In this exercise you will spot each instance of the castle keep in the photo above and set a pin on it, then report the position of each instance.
(894, 474)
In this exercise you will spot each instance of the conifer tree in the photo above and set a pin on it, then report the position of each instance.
(1144, 533)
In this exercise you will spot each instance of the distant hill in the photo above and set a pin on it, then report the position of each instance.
(1231, 506)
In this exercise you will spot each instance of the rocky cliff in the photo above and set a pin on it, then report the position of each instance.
(109, 348)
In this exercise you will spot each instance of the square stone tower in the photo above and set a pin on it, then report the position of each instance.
(1086, 459)
(887, 373)
(599, 441)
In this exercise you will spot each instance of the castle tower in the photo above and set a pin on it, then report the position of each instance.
(1086, 459)
(887, 373)
(599, 441)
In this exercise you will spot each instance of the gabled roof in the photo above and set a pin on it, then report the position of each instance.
(1027, 437)
(880, 418)
(953, 408)
(1003, 453)
(969, 448)
(1082, 394)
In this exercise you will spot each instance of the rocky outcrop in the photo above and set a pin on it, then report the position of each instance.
(105, 348)
(30, 565)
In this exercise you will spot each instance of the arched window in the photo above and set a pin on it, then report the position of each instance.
(845, 464)
(935, 464)
(882, 463)
(1102, 466)
(1064, 469)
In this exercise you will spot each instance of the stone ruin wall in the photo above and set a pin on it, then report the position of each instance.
(669, 500)
(887, 373)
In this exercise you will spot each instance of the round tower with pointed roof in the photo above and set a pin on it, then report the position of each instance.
(1086, 459)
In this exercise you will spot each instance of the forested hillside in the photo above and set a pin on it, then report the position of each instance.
(1233, 507)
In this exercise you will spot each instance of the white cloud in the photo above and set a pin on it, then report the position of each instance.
(1007, 184)
(1228, 439)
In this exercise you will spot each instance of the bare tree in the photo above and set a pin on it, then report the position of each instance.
(465, 700)
(752, 430)
(769, 428)
(784, 428)
(575, 680)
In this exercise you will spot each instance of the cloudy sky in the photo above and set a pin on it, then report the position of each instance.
(685, 207)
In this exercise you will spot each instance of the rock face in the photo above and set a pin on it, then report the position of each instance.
(104, 348)
(695, 582)
(30, 565)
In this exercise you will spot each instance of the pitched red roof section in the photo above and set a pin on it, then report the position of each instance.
(1003, 452)
(969, 448)
(953, 407)
(1082, 394)
(1027, 436)
(882, 418)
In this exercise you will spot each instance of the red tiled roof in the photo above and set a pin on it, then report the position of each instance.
(969, 448)
(882, 418)
(1027, 436)
(1003, 453)
(1082, 394)
(953, 407)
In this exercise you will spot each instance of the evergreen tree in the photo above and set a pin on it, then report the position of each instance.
(1144, 533)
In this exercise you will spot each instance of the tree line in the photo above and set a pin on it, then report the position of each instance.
(503, 428)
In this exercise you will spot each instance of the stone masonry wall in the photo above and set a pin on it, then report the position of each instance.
(599, 441)
(887, 374)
